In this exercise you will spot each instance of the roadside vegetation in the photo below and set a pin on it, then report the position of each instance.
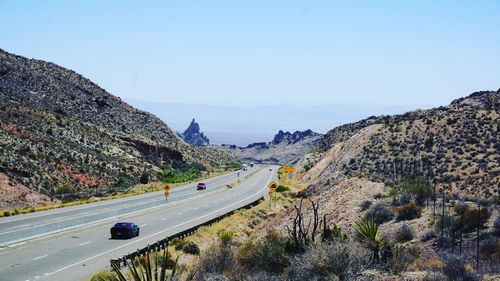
(145, 186)
(402, 234)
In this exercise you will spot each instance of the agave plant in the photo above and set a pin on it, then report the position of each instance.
(371, 237)
(148, 268)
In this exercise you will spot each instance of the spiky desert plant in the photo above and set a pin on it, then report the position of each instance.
(148, 268)
(371, 237)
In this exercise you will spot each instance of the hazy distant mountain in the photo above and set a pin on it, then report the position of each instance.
(61, 134)
(242, 125)
(286, 148)
(193, 135)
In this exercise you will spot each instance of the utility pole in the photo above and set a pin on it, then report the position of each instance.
(442, 222)
(477, 243)
(434, 200)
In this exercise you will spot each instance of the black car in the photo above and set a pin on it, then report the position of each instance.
(124, 230)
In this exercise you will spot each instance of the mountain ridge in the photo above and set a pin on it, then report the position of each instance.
(455, 146)
(65, 137)
(285, 148)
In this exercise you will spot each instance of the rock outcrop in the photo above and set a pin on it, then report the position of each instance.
(285, 149)
(193, 135)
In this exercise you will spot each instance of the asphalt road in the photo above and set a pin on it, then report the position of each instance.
(19, 228)
(75, 254)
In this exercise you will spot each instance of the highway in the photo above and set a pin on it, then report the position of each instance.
(60, 249)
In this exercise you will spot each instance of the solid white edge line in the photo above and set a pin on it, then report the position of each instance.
(169, 204)
(159, 232)
(104, 202)
(106, 219)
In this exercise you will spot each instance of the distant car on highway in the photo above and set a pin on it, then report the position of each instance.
(201, 186)
(124, 230)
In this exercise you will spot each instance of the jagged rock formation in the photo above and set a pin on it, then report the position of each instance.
(62, 135)
(193, 135)
(456, 146)
(286, 148)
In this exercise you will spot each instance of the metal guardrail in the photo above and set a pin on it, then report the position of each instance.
(163, 244)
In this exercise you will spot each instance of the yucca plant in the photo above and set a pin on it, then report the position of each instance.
(371, 237)
(148, 268)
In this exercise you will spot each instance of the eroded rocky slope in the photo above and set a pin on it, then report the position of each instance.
(455, 146)
(63, 136)
(285, 149)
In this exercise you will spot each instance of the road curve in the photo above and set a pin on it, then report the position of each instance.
(24, 227)
(76, 254)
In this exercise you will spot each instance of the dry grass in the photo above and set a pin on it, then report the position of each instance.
(245, 224)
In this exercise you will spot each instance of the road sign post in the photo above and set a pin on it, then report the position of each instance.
(166, 192)
(270, 199)
(272, 189)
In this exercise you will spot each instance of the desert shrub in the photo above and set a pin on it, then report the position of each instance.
(434, 276)
(267, 254)
(380, 213)
(282, 188)
(401, 200)
(469, 219)
(6, 213)
(428, 235)
(490, 249)
(308, 166)
(63, 189)
(418, 189)
(191, 248)
(496, 226)
(144, 179)
(218, 259)
(408, 211)
(404, 233)
(460, 208)
(454, 269)
(365, 205)
(178, 244)
(370, 236)
(259, 276)
(327, 260)
(183, 174)
(404, 256)
(226, 237)
(333, 233)
(485, 202)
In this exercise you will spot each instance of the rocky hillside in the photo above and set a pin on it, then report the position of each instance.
(286, 148)
(456, 146)
(193, 135)
(64, 136)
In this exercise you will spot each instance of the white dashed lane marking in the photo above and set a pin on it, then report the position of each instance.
(40, 257)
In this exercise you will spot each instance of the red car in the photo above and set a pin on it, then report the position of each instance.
(124, 230)
(201, 186)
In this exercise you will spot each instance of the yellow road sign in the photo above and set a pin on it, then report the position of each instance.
(272, 185)
(166, 187)
(270, 193)
(288, 169)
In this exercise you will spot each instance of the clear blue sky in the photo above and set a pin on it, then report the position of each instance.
(266, 52)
